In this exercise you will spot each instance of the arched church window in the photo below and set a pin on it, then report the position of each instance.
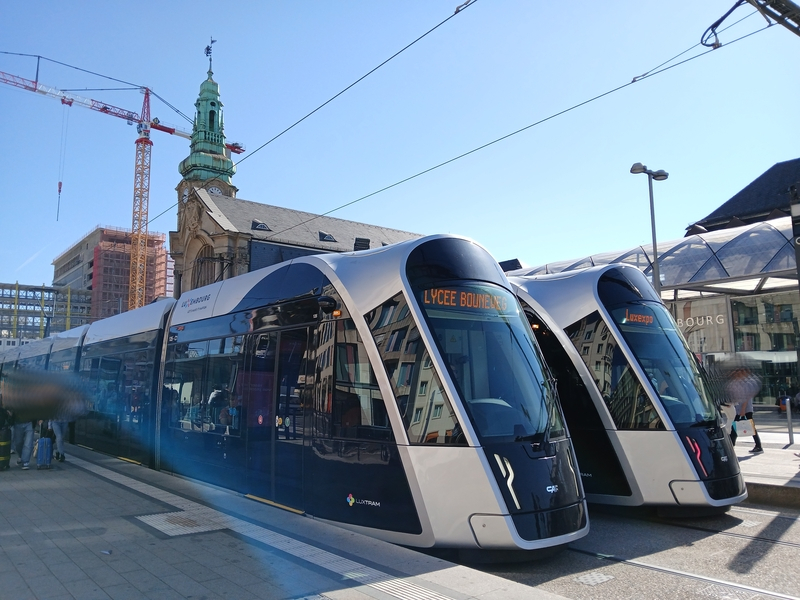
(204, 267)
(212, 120)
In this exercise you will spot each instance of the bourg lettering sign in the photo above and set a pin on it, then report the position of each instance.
(701, 321)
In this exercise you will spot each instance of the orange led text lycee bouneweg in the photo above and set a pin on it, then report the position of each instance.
(459, 299)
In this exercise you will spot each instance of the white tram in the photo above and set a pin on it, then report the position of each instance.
(397, 392)
(642, 416)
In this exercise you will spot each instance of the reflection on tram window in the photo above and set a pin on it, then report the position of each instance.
(426, 412)
(626, 399)
(349, 402)
(487, 345)
(653, 337)
(202, 387)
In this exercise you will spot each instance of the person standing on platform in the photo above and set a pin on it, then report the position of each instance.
(59, 429)
(23, 443)
(742, 388)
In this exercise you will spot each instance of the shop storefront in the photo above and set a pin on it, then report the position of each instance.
(759, 330)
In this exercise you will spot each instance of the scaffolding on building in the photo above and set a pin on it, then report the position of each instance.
(110, 271)
(31, 312)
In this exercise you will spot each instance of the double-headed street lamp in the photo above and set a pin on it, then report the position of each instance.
(659, 175)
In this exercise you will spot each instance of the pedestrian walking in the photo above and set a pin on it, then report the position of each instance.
(743, 386)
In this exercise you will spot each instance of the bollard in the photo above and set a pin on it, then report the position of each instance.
(789, 420)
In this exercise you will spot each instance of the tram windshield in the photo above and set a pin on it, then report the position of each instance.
(489, 352)
(653, 337)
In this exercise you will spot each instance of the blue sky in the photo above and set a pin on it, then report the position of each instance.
(556, 191)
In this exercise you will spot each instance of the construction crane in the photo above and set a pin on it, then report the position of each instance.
(141, 180)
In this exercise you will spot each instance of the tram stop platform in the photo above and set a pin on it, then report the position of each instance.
(772, 476)
(97, 527)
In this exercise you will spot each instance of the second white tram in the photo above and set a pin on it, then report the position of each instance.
(646, 428)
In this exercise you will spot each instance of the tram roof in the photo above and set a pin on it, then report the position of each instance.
(147, 318)
(745, 260)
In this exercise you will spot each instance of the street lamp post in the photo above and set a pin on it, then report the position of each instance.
(659, 175)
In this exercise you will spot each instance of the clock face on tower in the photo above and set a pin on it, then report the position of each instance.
(214, 190)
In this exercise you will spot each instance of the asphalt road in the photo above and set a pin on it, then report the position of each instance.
(751, 552)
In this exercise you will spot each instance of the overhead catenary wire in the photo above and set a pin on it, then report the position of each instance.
(360, 79)
(442, 164)
(651, 73)
(646, 75)
(133, 86)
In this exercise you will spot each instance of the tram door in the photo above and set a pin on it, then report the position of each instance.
(275, 378)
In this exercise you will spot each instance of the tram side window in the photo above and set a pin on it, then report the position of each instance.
(63, 360)
(627, 402)
(358, 409)
(185, 375)
(225, 362)
(108, 396)
(203, 387)
(120, 383)
(424, 407)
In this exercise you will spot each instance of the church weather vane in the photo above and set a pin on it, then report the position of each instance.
(208, 52)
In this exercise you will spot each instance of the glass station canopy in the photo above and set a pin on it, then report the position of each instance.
(744, 260)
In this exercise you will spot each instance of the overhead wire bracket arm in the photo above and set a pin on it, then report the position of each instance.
(783, 12)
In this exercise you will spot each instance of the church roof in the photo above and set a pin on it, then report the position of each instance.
(764, 198)
(297, 228)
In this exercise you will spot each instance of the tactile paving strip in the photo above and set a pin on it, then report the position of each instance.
(183, 522)
(194, 516)
(593, 578)
(725, 593)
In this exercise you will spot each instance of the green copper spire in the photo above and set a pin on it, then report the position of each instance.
(209, 158)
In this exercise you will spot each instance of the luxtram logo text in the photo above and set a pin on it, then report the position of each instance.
(351, 500)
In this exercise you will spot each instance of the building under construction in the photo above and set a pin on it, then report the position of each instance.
(29, 312)
(100, 263)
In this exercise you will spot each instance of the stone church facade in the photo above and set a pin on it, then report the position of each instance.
(220, 235)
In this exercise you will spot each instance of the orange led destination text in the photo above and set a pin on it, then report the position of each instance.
(456, 299)
(637, 318)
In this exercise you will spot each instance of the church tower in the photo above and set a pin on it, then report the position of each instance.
(209, 164)
(202, 250)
